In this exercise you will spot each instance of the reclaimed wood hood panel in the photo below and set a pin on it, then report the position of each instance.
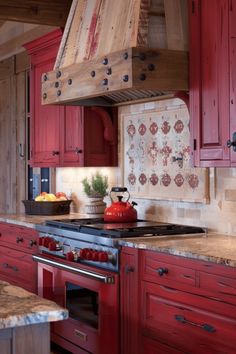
(119, 51)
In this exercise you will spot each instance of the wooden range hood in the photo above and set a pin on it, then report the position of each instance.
(114, 51)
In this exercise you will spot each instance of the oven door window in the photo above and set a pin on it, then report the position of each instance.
(82, 304)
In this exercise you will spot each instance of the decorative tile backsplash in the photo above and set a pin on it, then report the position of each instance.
(219, 215)
(156, 154)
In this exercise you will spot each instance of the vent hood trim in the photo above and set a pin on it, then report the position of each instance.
(120, 77)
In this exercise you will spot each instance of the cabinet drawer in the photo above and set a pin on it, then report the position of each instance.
(21, 238)
(18, 267)
(221, 286)
(155, 268)
(150, 346)
(191, 323)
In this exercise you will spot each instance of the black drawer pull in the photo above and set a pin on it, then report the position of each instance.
(204, 326)
(6, 265)
(19, 239)
(161, 271)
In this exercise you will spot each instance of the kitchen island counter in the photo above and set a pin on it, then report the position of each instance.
(24, 321)
(212, 247)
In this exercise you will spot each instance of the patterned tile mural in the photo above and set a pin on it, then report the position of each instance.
(157, 156)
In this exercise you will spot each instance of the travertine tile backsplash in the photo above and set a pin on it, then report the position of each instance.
(219, 215)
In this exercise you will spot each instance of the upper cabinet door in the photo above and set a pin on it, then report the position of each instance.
(44, 120)
(72, 133)
(45, 124)
(232, 45)
(209, 82)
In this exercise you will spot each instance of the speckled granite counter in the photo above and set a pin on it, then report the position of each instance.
(215, 248)
(33, 220)
(18, 307)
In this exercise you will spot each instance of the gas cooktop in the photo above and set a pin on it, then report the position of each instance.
(97, 226)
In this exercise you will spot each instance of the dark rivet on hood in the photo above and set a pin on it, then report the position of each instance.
(151, 67)
(45, 77)
(69, 81)
(142, 56)
(105, 61)
(125, 55)
(44, 96)
(109, 71)
(126, 78)
(92, 73)
(104, 82)
(56, 84)
(59, 93)
(58, 74)
(142, 77)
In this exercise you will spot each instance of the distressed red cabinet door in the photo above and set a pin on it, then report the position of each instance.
(72, 141)
(232, 44)
(45, 127)
(44, 120)
(129, 309)
(209, 81)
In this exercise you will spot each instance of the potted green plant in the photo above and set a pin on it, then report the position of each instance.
(95, 189)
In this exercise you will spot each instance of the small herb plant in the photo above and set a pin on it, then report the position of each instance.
(97, 187)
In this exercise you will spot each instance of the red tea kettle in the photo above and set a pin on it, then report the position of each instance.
(120, 211)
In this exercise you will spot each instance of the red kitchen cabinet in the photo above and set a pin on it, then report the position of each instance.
(17, 244)
(88, 137)
(44, 120)
(129, 308)
(66, 135)
(212, 77)
(188, 306)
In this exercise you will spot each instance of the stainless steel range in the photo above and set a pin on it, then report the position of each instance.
(95, 242)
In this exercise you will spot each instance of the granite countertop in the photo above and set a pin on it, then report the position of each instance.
(33, 220)
(19, 307)
(212, 247)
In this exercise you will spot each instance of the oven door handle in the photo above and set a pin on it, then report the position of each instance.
(108, 279)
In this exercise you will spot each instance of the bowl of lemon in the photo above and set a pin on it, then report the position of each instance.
(48, 204)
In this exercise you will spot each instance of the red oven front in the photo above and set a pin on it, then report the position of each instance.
(92, 300)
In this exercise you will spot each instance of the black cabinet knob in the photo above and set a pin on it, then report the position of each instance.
(54, 153)
(161, 271)
(32, 243)
(19, 239)
(232, 143)
(78, 151)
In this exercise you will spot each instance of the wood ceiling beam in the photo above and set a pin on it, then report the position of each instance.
(43, 12)
(14, 45)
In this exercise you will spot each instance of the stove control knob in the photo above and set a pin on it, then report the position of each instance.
(89, 254)
(41, 240)
(52, 246)
(103, 256)
(70, 256)
(95, 256)
(82, 253)
(46, 241)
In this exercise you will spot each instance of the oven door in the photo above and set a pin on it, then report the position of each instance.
(92, 301)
